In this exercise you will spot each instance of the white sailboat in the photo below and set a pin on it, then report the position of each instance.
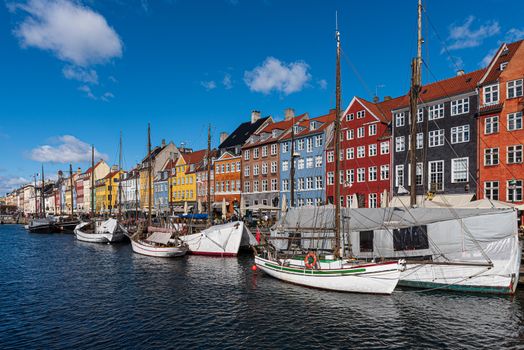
(330, 272)
(98, 231)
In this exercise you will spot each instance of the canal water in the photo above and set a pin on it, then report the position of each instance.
(57, 293)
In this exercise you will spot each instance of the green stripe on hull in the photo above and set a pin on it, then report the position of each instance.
(455, 287)
(313, 272)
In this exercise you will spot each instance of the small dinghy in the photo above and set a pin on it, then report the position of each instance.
(108, 231)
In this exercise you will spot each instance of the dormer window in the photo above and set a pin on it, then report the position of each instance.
(491, 94)
(313, 125)
(361, 114)
(274, 133)
(295, 129)
(350, 117)
(503, 65)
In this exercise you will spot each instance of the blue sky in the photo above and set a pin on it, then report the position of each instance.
(78, 72)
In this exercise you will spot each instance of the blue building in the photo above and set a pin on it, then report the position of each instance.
(161, 185)
(310, 137)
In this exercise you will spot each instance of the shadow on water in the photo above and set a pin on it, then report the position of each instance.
(60, 293)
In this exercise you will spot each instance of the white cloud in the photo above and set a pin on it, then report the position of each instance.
(71, 31)
(88, 92)
(463, 36)
(322, 83)
(209, 85)
(489, 56)
(84, 75)
(227, 82)
(279, 76)
(9, 183)
(514, 34)
(107, 96)
(67, 149)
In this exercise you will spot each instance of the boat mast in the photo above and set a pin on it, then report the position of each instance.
(149, 171)
(71, 189)
(413, 98)
(120, 179)
(92, 181)
(136, 195)
(37, 209)
(336, 246)
(209, 175)
(42, 194)
(292, 168)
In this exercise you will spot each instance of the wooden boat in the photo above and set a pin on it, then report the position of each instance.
(108, 231)
(43, 225)
(160, 244)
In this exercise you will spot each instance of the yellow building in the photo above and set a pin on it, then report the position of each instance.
(184, 182)
(107, 192)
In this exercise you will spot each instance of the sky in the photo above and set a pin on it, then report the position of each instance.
(76, 73)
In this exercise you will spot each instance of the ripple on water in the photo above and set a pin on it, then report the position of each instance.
(57, 292)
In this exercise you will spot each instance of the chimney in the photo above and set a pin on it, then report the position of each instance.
(387, 98)
(114, 168)
(376, 99)
(255, 115)
(163, 142)
(79, 171)
(460, 72)
(289, 113)
(223, 136)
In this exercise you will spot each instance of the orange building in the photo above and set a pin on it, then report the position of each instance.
(501, 133)
(227, 183)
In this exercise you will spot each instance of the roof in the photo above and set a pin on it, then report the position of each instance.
(493, 70)
(382, 110)
(242, 133)
(268, 129)
(90, 170)
(154, 152)
(325, 119)
(111, 174)
(202, 165)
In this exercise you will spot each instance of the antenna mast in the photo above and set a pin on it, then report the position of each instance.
(336, 246)
(413, 98)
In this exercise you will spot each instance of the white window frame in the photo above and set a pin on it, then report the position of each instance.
(400, 119)
(399, 175)
(460, 134)
(361, 151)
(361, 175)
(489, 94)
(514, 154)
(514, 121)
(454, 170)
(318, 161)
(489, 190)
(384, 147)
(436, 138)
(384, 172)
(372, 173)
(361, 132)
(436, 111)
(491, 125)
(372, 150)
(491, 156)
(439, 174)
(514, 88)
(372, 129)
(400, 144)
(460, 106)
(350, 134)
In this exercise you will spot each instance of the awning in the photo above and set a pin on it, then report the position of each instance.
(218, 205)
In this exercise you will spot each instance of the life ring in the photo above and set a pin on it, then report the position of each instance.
(310, 260)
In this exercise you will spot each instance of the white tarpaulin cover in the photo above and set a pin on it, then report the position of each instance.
(159, 237)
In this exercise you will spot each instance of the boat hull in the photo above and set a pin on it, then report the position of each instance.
(159, 252)
(43, 229)
(371, 279)
(106, 232)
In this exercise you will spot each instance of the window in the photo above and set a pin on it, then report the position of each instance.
(372, 200)
(419, 169)
(491, 156)
(420, 115)
(285, 147)
(318, 140)
(492, 125)
(350, 134)
(300, 183)
(309, 162)
(514, 190)
(330, 178)
(227, 168)
(350, 117)
(350, 176)
(264, 151)
(350, 153)
(318, 161)
(436, 175)
(341, 154)
(300, 163)
(399, 175)
(491, 190)
(255, 169)
(361, 114)
(255, 186)
(309, 201)
(400, 119)
(436, 111)
(366, 239)
(410, 238)
(264, 185)
(459, 169)
(372, 150)
(273, 149)
(514, 88)
(246, 154)
(436, 138)
(255, 153)
(491, 94)
(309, 183)
(232, 167)
(285, 185)
(331, 156)
(384, 172)
(460, 106)
(361, 174)
(360, 132)
(372, 129)
(285, 165)
(384, 147)
(318, 182)
(238, 166)
(399, 144)
(515, 154)
(460, 134)
(273, 167)
(300, 144)
(246, 170)
(300, 202)
(372, 173)
(420, 140)
(361, 151)
(309, 144)
(514, 121)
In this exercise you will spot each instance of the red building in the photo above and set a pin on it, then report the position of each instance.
(365, 154)
(501, 129)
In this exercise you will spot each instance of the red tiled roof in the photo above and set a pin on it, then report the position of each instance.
(88, 171)
(326, 120)
(194, 157)
(493, 69)
(281, 125)
(111, 174)
(382, 110)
